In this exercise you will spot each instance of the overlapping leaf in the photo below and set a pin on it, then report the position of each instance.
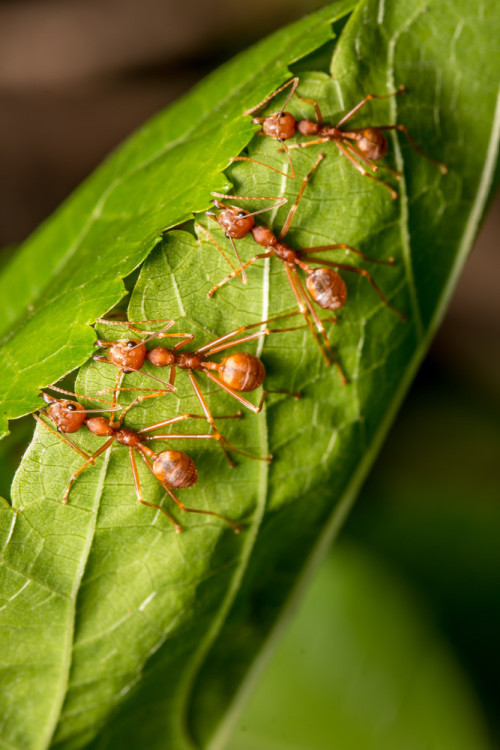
(165, 626)
(70, 271)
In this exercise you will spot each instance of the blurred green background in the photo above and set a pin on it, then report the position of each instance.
(395, 645)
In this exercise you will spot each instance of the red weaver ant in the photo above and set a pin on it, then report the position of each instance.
(231, 230)
(173, 469)
(240, 372)
(361, 146)
(324, 286)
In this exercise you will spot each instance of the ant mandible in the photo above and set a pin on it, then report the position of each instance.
(324, 286)
(173, 469)
(239, 372)
(361, 146)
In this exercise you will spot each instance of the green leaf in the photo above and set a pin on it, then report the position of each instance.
(147, 635)
(362, 666)
(70, 271)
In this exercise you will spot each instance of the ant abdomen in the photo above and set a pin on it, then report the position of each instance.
(327, 288)
(281, 126)
(175, 469)
(242, 371)
(372, 143)
(68, 416)
(128, 353)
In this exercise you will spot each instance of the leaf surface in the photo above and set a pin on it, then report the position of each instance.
(70, 271)
(148, 634)
(362, 666)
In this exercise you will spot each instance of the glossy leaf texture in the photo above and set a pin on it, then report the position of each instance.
(70, 271)
(135, 636)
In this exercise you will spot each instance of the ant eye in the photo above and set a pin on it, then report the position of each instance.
(70, 407)
(241, 214)
(130, 344)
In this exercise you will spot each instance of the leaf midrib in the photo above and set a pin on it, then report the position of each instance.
(334, 524)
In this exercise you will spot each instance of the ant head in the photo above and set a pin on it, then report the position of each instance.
(236, 222)
(68, 416)
(175, 469)
(128, 354)
(242, 371)
(327, 288)
(281, 126)
(372, 143)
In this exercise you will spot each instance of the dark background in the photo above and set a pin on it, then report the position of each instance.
(78, 76)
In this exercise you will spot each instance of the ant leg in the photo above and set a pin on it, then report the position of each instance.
(98, 358)
(296, 396)
(242, 329)
(111, 406)
(363, 272)
(210, 419)
(293, 82)
(285, 148)
(239, 330)
(119, 378)
(301, 294)
(214, 242)
(404, 129)
(137, 401)
(304, 311)
(319, 116)
(305, 144)
(228, 344)
(262, 164)
(291, 213)
(359, 154)
(130, 326)
(236, 526)
(279, 198)
(87, 463)
(62, 436)
(180, 418)
(138, 491)
(269, 254)
(367, 98)
(347, 248)
(342, 148)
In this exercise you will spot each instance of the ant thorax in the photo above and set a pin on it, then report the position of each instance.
(160, 356)
(285, 253)
(309, 127)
